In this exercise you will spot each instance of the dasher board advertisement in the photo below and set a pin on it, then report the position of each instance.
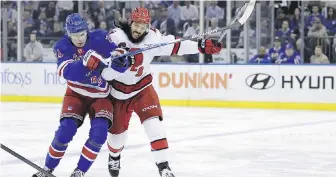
(260, 86)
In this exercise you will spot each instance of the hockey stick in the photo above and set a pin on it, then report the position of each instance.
(246, 6)
(5, 148)
(247, 13)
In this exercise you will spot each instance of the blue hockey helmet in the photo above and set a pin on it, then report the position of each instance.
(75, 23)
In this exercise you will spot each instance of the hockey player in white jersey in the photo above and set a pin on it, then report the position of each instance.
(133, 90)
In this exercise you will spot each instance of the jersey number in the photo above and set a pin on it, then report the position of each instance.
(136, 67)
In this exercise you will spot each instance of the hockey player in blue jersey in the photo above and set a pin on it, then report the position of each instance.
(261, 58)
(81, 59)
(277, 50)
(290, 56)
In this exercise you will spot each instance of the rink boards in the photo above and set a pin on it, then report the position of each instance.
(310, 87)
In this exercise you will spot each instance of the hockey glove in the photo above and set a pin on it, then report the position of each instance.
(92, 60)
(121, 64)
(209, 46)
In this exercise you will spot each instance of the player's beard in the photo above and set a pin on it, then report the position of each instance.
(136, 34)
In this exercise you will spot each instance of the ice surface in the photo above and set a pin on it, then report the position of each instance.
(203, 142)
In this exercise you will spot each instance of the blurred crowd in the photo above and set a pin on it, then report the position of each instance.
(319, 28)
(43, 24)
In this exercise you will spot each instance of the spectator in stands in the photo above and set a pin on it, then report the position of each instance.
(290, 56)
(214, 11)
(153, 15)
(295, 20)
(277, 50)
(214, 26)
(261, 57)
(63, 9)
(167, 27)
(55, 34)
(193, 29)
(294, 36)
(50, 11)
(285, 31)
(319, 57)
(174, 12)
(41, 19)
(189, 12)
(312, 17)
(12, 31)
(87, 17)
(264, 33)
(116, 16)
(43, 32)
(12, 51)
(280, 18)
(318, 30)
(100, 18)
(33, 52)
(28, 22)
(251, 37)
(134, 4)
(103, 25)
(11, 11)
(330, 21)
(333, 48)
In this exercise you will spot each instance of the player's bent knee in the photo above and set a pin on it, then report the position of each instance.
(117, 141)
(154, 128)
(67, 130)
(99, 129)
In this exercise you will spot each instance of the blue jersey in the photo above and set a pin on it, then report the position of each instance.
(283, 34)
(272, 51)
(294, 59)
(70, 65)
(279, 51)
(258, 59)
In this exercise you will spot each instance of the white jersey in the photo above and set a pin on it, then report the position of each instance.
(139, 76)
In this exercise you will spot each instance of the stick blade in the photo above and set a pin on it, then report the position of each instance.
(248, 11)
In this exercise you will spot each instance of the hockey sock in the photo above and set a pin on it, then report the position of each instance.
(91, 148)
(116, 143)
(159, 144)
(63, 135)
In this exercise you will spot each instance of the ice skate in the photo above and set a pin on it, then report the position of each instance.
(164, 170)
(40, 174)
(114, 166)
(77, 173)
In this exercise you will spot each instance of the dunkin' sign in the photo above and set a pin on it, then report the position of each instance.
(209, 80)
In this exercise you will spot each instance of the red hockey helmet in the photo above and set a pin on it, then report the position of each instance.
(141, 15)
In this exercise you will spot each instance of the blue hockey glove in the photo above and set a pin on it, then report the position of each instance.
(121, 64)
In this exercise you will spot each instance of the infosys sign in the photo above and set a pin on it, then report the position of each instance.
(263, 81)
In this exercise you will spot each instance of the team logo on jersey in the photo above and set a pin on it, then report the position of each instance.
(58, 54)
(260, 81)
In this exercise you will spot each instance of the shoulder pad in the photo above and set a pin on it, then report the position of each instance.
(62, 44)
(154, 33)
(62, 47)
(98, 34)
(115, 34)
